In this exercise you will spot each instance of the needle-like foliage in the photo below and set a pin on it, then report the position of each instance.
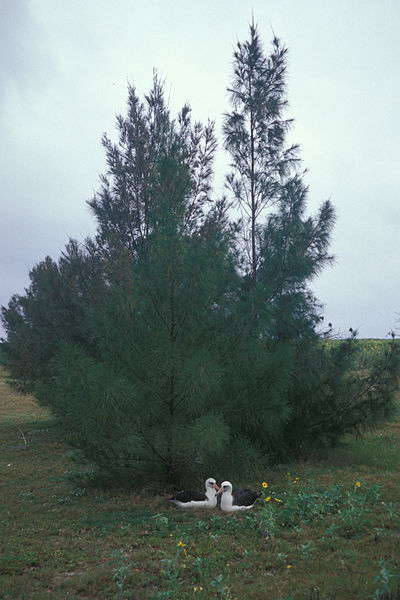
(164, 353)
(255, 135)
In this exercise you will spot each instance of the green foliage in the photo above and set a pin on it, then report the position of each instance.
(254, 135)
(53, 310)
(120, 573)
(3, 358)
(306, 503)
(332, 395)
(388, 583)
(175, 570)
(293, 250)
(171, 402)
(169, 348)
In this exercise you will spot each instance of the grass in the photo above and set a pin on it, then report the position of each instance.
(328, 538)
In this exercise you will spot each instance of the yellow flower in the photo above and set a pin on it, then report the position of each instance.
(288, 566)
(264, 484)
(358, 484)
(277, 500)
(268, 499)
(184, 550)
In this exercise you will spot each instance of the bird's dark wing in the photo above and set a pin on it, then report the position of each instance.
(245, 497)
(189, 495)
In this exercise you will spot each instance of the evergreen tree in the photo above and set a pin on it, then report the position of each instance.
(175, 378)
(149, 378)
(293, 250)
(53, 310)
(284, 250)
(254, 135)
(124, 207)
(335, 392)
(163, 360)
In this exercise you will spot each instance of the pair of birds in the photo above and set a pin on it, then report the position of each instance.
(230, 500)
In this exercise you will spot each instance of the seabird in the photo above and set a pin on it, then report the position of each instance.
(240, 500)
(195, 499)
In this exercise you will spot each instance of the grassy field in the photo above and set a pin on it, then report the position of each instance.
(324, 529)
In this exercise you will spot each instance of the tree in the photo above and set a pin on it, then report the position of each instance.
(155, 362)
(124, 206)
(149, 381)
(53, 309)
(254, 135)
(337, 392)
(293, 249)
(163, 358)
(283, 251)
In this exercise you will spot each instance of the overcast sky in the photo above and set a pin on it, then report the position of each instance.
(64, 71)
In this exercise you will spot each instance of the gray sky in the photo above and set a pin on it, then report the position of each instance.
(63, 77)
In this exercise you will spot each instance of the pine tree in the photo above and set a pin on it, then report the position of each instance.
(154, 364)
(254, 135)
(284, 250)
(124, 206)
(336, 392)
(163, 358)
(53, 309)
(293, 251)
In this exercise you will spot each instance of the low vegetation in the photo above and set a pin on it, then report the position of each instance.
(324, 529)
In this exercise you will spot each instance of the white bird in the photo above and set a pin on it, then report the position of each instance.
(195, 499)
(240, 500)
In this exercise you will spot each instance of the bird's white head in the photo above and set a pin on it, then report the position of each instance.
(211, 484)
(225, 486)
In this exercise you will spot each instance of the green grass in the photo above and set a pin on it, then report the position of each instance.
(328, 538)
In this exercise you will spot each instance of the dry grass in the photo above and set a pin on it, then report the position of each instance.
(60, 541)
(17, 408)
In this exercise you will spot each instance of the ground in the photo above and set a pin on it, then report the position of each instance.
(330, 528)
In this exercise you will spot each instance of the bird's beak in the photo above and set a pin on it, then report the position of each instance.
(220, 490)
(215, 486)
